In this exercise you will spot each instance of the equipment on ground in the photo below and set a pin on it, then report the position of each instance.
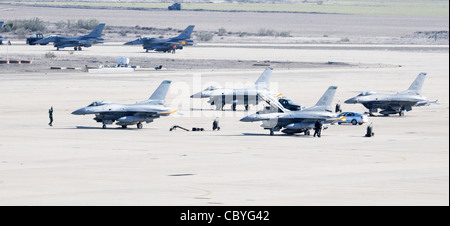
(36, 37)
(123, 62)
(177, 126)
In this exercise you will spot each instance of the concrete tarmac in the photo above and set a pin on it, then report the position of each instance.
(76, 162)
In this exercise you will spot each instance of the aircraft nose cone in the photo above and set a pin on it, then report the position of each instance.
(81, 111)
(249, 118)
(197, 95)
(245, 119)
(351, 101)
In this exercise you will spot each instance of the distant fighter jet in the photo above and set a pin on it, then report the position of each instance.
(245, 96)
(165, 45)
(276, 117)
(394, 103)
(76, 42)
(130, 114)
(1, 38)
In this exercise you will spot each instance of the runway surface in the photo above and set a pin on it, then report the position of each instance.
(75, 162)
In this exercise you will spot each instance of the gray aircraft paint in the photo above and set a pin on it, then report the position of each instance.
(82, 41)
(159, 44)
(394, 103)
(1, 25)
(295, 121)
(130, 114)
(246, 96)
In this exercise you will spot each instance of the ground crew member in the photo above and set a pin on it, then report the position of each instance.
(317, 128)
(174, 47)
(370, 132)
(338, 108)
(50, 115)
(216, 124)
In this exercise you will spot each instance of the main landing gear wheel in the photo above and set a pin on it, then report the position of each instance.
(307, 133)
(124, 126)
(104, 126)
(271, 132)
(139, 125)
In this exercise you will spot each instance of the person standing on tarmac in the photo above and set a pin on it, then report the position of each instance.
(317, 128)
(174, 47)
(50, 115)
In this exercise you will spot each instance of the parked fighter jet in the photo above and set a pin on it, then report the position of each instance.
(75, 42)
(130, 114)
(245, 96)
(276, 117)
(1, 38)
(394, 103)
(165, 45)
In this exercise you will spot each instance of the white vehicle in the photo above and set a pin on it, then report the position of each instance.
(353, 118)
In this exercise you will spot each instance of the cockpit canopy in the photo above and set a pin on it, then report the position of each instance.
(98, 103)
(366, 93)
(289, 101)
(211, 88)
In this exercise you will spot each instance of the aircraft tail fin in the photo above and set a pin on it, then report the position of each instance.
(161, 92)
(327, 98)
(264, 78)
(186, 34)
(418, 83)
(97, 32)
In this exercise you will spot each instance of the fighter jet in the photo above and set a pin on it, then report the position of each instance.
(249, 95)
(394, 103)
(276, 117)
(1, 38)
(76, 42)
(165, 45)
(130, 114)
